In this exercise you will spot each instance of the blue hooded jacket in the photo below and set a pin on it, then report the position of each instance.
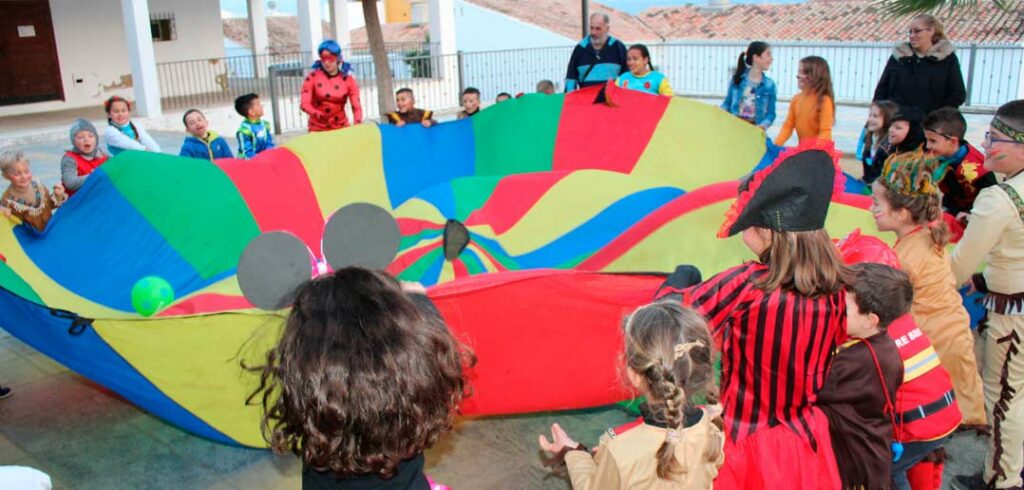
(215, 147)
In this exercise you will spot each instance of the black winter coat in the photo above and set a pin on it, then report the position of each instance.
(928, 83)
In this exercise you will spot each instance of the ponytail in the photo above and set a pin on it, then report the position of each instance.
(746, 59)
(741, 68)
(937, 227)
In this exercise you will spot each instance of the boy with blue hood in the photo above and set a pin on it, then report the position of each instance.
(201, 142)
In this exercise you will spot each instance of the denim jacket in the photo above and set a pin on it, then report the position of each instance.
(765, 94)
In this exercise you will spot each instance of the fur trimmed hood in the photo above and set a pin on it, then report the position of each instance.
(940, 51)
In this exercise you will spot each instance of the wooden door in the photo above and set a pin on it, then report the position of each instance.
(29, 69)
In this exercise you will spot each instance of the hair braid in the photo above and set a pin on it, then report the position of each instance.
(673, 398)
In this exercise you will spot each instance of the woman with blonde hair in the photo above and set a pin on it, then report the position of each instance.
(923, 71)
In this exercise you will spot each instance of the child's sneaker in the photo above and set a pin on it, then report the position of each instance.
(4, 393)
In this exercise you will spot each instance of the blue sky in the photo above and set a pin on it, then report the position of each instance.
(237, 7)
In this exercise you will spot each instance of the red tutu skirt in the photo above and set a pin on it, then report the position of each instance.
(778, 458)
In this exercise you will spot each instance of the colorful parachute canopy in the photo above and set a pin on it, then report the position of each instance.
(554, 192)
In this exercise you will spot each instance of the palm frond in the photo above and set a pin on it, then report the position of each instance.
(900, 8)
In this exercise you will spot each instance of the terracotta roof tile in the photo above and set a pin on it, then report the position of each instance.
(564, 16)
(827, 20)
(814, 20)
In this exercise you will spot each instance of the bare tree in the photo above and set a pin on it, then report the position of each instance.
(375, 37)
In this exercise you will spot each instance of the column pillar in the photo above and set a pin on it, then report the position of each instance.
(258, 27)
(340, 25)
(442, 26)
(311, 31)
(139, 36)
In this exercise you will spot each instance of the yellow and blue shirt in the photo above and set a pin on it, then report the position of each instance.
(589, 66)
(653, 82)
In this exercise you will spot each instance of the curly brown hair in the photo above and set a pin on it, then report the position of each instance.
(653, 333)
(361, 379)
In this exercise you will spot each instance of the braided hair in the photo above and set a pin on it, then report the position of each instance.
(670, 348)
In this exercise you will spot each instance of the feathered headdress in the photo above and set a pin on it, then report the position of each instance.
(911, 174)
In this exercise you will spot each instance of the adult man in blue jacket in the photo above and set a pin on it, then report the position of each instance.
(598, 58)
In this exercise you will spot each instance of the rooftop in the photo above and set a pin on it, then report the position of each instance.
(827, 20)
(814, 20)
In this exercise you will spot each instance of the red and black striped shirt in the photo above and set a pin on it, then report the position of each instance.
(776, 348)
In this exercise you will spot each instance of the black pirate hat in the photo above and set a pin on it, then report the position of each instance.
(791, 194)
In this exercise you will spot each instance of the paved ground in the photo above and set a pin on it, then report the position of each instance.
(89, 438)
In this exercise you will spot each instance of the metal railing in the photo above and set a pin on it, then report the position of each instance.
(433, 80)
(993, 73)
(217, 81)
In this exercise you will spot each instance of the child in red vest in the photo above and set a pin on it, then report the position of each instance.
(84, 156)
(926, 408)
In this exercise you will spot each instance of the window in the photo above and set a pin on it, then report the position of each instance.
(420, 13)
(162, 27)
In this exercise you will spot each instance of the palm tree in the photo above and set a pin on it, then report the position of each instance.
(375, 37)
(907, 7)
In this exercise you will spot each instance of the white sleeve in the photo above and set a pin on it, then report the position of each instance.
(991, 214)
(147, 140)
(118, 139)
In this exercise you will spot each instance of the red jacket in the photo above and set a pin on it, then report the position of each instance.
(925, 405)
(962, 179)
(324, 98)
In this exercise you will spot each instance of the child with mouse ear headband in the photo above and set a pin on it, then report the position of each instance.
(669, 360)
(365, 409)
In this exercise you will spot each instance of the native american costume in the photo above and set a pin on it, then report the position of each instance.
(776, 345)
(35, 213)
(995, 234)
(938, 308)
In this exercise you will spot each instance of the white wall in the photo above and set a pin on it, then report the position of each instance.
(482, 29)
(200, 34)
(91, 47)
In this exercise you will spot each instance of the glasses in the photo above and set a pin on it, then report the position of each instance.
(989, 139)
(916, 31)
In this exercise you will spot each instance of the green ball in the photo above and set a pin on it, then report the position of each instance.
(151, 294)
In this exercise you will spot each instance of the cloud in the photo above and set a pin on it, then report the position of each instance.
(228, 14)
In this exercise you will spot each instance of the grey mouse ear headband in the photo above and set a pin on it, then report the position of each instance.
(275, 264)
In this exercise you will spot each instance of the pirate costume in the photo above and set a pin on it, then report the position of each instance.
(776, 345)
